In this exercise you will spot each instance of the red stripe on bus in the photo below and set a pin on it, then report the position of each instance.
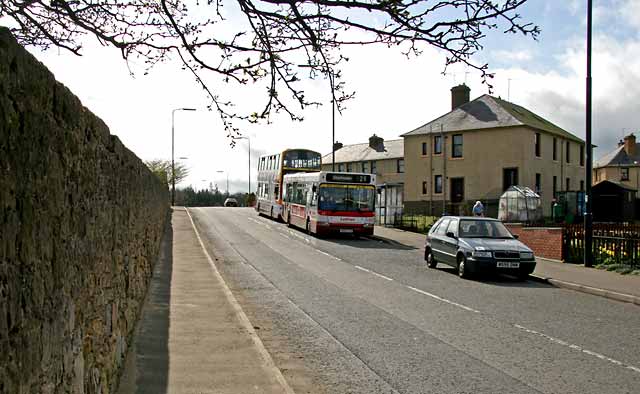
(347, 213)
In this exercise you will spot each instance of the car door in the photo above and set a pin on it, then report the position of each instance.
(450, 244)
(437, 240)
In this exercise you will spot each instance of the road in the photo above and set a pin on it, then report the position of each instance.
(365, 316)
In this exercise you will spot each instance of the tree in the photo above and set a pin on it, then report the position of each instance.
(162, 169)
(278, 36)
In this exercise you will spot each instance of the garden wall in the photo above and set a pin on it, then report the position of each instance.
(544, 241)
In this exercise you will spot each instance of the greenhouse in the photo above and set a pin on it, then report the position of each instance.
(520, 204)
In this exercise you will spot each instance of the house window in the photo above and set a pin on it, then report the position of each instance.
(365, 167)
(400, 166)
(509, 178)
(568, 151)
(537, 144)
(341, 167)
(424, 187)
(568, 185)
(624, 174)
(438, 184)
(349, 167)
(555, 186)
(581, 186)
(437, 144)
(555, 148)
(424, 148)
(456, 148)
(538, 183)
(374, 170)
(582, 155)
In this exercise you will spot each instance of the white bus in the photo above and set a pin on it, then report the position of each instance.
(330, 202)
(272, 168)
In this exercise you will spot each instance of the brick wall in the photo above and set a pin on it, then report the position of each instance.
(545, 242)
(81, 218)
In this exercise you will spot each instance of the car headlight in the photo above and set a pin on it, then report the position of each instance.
(482, 253)
(526, 255)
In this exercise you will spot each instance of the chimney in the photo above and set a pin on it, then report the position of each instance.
(620, 143)
(337, 145)
(630, 145)
(459, 96)
(376, 143)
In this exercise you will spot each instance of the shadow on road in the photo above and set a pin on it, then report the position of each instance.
(368, 243)
(146, 368)
(497, 279)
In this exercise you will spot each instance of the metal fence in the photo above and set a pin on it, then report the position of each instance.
(617, 244)
(413, 222)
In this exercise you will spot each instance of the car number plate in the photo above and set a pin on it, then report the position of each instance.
(508, 264)
(346, 230)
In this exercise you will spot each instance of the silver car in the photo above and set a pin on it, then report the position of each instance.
(477, 244)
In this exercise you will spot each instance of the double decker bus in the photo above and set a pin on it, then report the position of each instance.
(272, 169)
(330, 202)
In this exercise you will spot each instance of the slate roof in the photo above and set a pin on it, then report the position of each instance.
(394, 149)
(487, 112)
(619, 157)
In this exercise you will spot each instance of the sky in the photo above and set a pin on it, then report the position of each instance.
(394, 94)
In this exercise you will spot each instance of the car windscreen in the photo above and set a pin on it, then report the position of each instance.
(335, 197)
(470, 228)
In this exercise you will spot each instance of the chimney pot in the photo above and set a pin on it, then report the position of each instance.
(459, 96)
(630, 145)
(376, 143)
(337, 145)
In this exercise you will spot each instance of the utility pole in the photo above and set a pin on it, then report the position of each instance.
(588, 215)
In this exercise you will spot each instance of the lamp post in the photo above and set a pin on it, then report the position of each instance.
(249, 142)
(173, 163)
(220, 172)
(588, 215)
(333, 118)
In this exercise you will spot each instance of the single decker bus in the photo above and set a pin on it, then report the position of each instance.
(272, 169)
(328, 202)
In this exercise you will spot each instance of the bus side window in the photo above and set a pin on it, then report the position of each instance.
(314, 195)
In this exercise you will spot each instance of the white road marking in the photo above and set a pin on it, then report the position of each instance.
(260, 223)
(285, 236)
(381, 276)
(362, 268)
(299, 236)
(466, 308)
(330, 255)
(578, 348)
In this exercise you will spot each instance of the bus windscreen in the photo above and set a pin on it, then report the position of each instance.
(302, 159)
(354, 198)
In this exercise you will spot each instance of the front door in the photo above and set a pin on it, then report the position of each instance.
(457, 190)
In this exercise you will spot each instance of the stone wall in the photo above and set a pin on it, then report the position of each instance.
(81, 219)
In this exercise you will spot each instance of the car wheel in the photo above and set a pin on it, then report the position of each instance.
(463, 270)
(431, 261)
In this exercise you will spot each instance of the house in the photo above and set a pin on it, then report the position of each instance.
(621, 166)
(479, 149)
(380, 157)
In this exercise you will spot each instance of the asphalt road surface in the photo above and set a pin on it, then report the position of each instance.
(365, 316)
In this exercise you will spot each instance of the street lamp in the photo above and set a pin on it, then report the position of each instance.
(333, 118)
(588, 215)
(173, 164)
(249, 141)
(220, 172)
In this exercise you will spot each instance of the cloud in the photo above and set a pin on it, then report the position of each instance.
(559, 95)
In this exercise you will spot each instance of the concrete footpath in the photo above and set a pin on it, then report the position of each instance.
(612, 285)
(193, 336)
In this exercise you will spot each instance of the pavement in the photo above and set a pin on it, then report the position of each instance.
(193, 337)
(625, 288)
